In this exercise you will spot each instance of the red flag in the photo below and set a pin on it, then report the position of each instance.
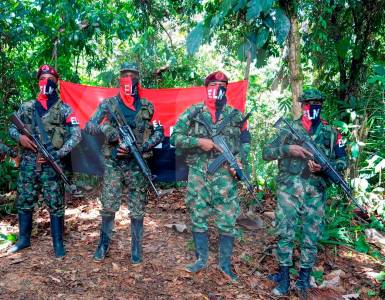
(168, 103)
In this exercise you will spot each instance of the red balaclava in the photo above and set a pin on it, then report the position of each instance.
(128, 91)
(216, 94)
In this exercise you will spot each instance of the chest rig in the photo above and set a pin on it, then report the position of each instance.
(139, 120)
(52, 122)
(324, 137)
(228, 126)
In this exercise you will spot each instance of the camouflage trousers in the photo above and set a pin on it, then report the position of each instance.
(215, 195)
(117, 174)
(30, 183)
(300, 203)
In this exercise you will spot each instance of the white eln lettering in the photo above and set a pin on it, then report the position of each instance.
(128, 89)
(74, 121)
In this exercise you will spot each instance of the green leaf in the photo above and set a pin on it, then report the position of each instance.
(281, 25)
(262, 56)
(361, 245)
(266, 5)
(342, 47)
(342, 126)
(379, 70)
(226, 5)
(241, 4)
(195, 38)
(254, 9)
(262, 36)
(355, 150)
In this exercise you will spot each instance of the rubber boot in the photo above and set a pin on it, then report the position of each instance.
(105, 237)
(136, 240)
(303, 282)
(57, 228)
(25, 229)
(201, 243)
(283, 280)
(226, 243)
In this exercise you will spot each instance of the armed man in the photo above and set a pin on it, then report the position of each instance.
(47, 118)
(121, 169)
(211, 194)
(301, 185)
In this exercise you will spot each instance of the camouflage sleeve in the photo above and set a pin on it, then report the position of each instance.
(156, 137)
(74, 131)
(5, 150)
(179, 136)
(95, 127)
(341, 160)
(13, 131)
(276, 148)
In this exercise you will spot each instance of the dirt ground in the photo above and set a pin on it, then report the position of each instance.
(35, 274)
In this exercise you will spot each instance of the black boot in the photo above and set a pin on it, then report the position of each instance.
(57, 228)
(303, 281)
(105, 237)
(25, 229)
(201, 243)
(136, 240)
(226, 243)
(283, 280)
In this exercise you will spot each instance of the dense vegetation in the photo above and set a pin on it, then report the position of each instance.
(280, 46)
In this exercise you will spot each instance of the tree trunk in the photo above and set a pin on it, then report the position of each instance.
(296, 76)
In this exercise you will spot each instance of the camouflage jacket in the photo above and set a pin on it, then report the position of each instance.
(57, 121)
(187, 131)
(147, 134)
(326, 137)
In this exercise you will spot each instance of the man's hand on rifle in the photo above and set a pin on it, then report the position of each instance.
(299, 151)
(313, 166)
(207, 145)
(27, 143)
(232, 171)
(122, 151)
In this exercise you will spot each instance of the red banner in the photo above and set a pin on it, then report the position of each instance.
(168, 103)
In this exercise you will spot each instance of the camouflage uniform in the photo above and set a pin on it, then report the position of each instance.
(300, 193)
(30, 182)
(123, 171)
(209, 194)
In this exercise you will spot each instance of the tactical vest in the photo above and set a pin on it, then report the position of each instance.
(53, 122)
(324, 138)
(231, 130)
(142, 123)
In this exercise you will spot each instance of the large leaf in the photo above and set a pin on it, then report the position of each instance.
(342, 47)
(254, 9)
(262, 36)
(241, 4)
(262, 57)
(266, 5)
(195, 38)
(281, 25)
(226, 5)
(379, 70)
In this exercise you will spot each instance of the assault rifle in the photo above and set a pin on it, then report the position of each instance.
(43, 149)
(128, 140)
(320, 158)
(226, 156)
